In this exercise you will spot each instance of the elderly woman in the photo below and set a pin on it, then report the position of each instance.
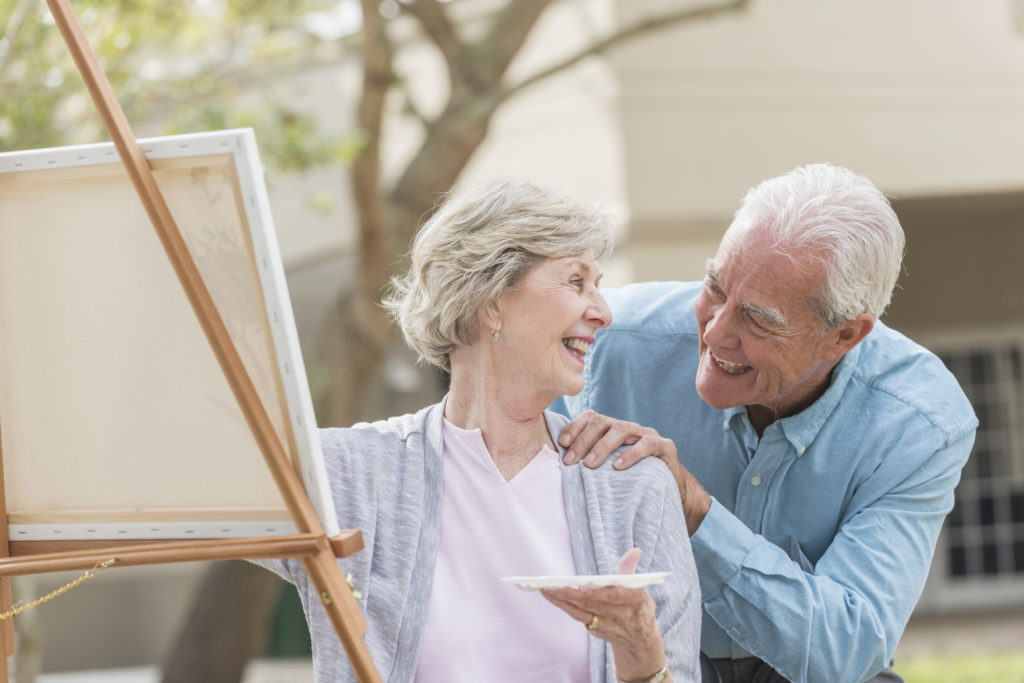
(503, 293)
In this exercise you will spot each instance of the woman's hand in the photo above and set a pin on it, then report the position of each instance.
(625, 617)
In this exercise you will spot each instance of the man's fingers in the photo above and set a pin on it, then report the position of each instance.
(580, 435)
(630, 457)
(649, 445)
(570, 431)
(599, 452)
(592, 437)
(595, 435)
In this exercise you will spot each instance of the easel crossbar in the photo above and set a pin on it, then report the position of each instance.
(299, 545)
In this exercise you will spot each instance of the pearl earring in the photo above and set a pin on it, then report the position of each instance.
(495, 337)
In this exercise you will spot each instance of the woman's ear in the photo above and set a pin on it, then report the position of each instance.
(492, 314)
(490, 319)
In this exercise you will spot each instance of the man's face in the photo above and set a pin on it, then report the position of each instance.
(760, 344)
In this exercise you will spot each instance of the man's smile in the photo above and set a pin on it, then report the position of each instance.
(731, 368)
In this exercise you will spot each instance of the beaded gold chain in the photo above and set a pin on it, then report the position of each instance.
(19, 608)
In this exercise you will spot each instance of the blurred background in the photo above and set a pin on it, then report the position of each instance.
(664, 110)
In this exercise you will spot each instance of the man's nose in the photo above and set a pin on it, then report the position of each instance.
(720, 327)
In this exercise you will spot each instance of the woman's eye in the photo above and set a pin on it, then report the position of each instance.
(576, 282)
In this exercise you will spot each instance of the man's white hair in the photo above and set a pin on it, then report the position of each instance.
(839, 218)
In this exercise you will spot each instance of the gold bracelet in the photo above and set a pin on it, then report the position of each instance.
(656, 678)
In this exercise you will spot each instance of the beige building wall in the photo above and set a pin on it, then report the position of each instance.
(924, 96)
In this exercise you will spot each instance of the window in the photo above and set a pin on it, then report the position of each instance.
(986, 527)
(982, 552)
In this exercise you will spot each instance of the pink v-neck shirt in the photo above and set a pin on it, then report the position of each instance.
(481, 628)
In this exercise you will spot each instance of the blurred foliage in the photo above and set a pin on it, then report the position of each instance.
(181, 66)
(989, 667)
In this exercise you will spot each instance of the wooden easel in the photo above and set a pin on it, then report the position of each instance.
(318, 552)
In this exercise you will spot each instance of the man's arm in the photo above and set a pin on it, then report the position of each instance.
(841, 618)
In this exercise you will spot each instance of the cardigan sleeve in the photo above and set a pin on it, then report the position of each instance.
(678, 600)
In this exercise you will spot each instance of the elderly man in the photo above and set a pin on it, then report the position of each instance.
(816, 450)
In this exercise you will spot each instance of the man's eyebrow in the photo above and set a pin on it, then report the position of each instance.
(770, 316)
(711, 274)
(774, 319)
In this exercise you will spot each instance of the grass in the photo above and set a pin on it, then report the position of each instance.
(1003, 667)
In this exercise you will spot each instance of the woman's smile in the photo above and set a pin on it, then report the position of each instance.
(577, 346)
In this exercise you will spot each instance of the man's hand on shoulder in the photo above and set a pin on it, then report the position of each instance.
(592, 437)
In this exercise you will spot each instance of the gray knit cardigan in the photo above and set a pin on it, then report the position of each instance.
(386, 480)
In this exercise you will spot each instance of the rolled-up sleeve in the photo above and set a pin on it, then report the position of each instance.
(841, 619)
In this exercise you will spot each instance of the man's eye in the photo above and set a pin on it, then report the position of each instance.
(757, 325)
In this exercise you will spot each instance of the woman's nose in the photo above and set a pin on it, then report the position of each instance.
(599, 312)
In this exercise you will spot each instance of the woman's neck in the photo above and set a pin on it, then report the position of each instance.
(512, 424)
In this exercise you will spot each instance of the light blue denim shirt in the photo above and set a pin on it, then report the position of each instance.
(820, 533)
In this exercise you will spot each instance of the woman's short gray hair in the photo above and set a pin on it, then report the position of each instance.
(844, 221)
(478, 245)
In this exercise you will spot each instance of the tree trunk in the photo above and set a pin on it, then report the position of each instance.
(353, 343)
(225, 626)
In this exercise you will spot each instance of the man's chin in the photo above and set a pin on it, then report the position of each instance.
(716, 399)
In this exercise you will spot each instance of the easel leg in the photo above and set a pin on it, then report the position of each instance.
(6, 628)
(6, 595)
(336, 597)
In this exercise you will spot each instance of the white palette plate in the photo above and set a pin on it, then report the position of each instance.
(532, 583)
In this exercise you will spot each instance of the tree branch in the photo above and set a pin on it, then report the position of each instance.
(492, 55)
(642, 26)
(410, 107)
(435, 22)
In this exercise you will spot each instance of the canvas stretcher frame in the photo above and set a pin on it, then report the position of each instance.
(109, 384)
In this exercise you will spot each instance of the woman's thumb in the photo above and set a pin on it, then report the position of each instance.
(628, 562)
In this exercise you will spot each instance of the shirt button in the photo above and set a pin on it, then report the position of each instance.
(755, 480)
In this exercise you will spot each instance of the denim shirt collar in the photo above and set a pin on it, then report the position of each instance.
(801, 429)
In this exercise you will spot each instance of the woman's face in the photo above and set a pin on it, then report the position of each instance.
(548, 324)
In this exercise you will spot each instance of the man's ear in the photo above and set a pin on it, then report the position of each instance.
(847, 335)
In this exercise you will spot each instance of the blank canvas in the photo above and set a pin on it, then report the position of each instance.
(116, 420)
